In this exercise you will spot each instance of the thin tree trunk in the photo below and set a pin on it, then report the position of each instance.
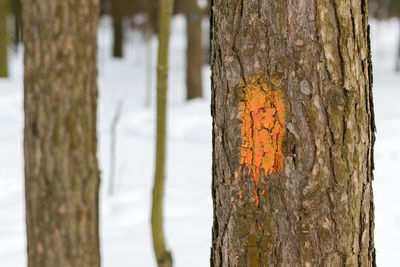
(149, 68)
(148, 37)
(398, 55)
(164, 258)
(3, 38)
(113, 148)
(293, 134)
(60, 143)
(118, 28)
(194, 53)
(17, 22)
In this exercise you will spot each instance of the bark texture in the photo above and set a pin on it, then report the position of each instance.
(164, 257)
(194, 52)
(60, 143)
(317, 209)
(3, 38)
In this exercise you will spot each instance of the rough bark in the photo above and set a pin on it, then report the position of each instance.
(118, 31)
(314, 206)
(60, 143)
(194, 52)
(164, 258)
(3, 38)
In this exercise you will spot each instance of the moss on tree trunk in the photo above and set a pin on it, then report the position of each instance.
(292, 189)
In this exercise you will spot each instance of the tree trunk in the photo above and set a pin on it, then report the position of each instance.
(17, 22)
(398, 55)
(60, 143)
(118, 28)
(113, 148)
(293, 134)
(148, 38)
(164, 258)
(3, 38)
(194, 52)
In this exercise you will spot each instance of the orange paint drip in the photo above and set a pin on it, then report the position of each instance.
(262, 129)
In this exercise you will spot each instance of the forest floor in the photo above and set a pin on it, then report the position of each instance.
(125, 228)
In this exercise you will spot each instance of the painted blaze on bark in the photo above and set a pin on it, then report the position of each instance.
(262, 129)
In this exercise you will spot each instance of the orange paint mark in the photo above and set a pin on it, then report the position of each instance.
(262, 129)
(240, 194)
(263, 192)
(259, 227)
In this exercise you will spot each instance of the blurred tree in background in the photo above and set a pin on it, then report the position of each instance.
(121, 9)
(386, 9)
(117, 16)
(194, 50)
(60, 143)
(16, 8)
(4, 9)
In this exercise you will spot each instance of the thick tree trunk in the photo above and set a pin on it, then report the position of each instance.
(164, 258)
(117, 6)
(293, 133)
(3, 38)
(194, 52)
(60, 144)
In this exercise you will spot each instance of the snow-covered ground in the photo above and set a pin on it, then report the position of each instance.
(125, 228)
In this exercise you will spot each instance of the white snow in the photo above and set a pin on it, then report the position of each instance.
(385, 38)
(125, 228)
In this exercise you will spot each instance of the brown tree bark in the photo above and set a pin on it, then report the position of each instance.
(60, 144)
(293, 133)
(194, 52)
